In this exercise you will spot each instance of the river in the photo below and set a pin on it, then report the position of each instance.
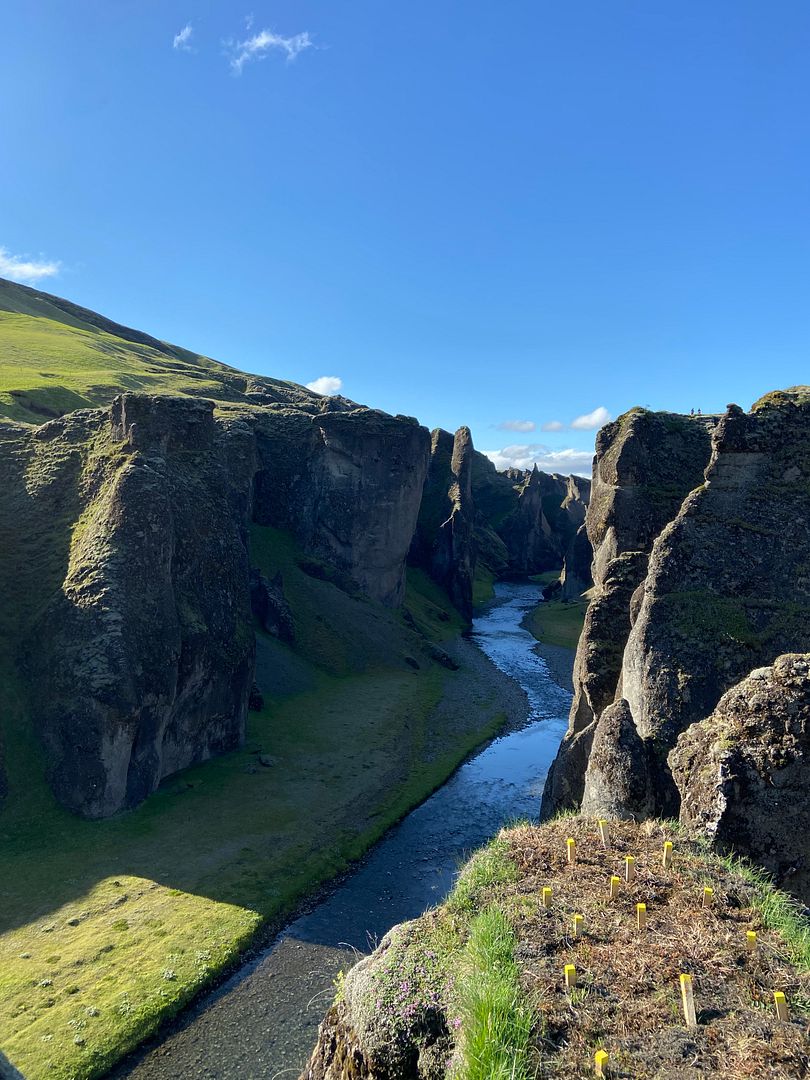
(262, 1023)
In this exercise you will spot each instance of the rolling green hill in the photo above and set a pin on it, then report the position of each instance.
(56, 357)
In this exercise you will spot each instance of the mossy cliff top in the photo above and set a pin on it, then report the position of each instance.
(476, 988)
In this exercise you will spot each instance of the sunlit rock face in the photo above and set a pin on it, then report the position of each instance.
(645, 464)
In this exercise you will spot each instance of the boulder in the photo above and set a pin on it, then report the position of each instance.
(617, 778)
(743, 773)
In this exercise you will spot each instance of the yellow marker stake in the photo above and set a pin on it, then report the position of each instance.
(641, 916)
(629, 868)
(600, 1062)
(578, 921)
(667, 859)
(781, 1006)
(571, 976)
(688, 999)
(708, 897)
(571, 844)
(751, 940)
(604, 833)
(615, 882)
(546, 896)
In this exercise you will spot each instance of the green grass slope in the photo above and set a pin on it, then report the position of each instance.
(107, 928)
(56, 357)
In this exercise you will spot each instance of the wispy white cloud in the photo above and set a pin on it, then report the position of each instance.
(517, 425)
(328, 385)
(260, 45)
(592, 420)
(552, 425)
(249, 21)
(21, 268)
(559, 461)
(182, 39)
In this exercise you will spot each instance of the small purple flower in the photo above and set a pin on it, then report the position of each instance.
(456, 1022)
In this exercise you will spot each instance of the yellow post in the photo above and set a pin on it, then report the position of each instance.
(546, 896)
(751, 940)
(615, 882)
(688, 1000)
(630, 868)
(641, 916)
(604, 833)
(667, 860)
(708, 897)
(578, 921)
(781, 1006)
(600, 1062)
(570, 976)
(571, 845)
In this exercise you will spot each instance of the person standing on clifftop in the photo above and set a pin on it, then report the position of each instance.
(692, 412)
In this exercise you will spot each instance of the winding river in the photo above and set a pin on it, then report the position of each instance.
(263, 1022)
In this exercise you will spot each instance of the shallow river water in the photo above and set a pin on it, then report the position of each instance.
(263, 1022)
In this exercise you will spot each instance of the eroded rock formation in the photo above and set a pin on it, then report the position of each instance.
(127, 573)
(644, 466)
(743, 772)
(443, 542)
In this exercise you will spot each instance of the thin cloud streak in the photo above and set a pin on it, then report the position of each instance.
(260, 45)
(181, 39)
(552, 425)
(25, 270)
(517, 425)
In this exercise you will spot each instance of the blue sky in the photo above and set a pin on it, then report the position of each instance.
(469, 212)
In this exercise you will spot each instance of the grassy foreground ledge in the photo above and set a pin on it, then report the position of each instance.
(476, 988)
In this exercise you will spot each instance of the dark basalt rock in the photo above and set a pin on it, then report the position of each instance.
(645, 464)
(269, 604)
(129, 607)
(618, 781)
(743, 773)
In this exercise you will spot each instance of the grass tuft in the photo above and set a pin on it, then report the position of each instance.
(496, 1021)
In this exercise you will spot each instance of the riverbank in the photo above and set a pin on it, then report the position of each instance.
(263, 1021)
(108, 929)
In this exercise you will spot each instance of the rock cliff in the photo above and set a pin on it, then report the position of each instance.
(127, 568)
(443, 542)
(644, 466)
(742, 773)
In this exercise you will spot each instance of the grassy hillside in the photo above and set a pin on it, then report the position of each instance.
(109, 927)
(56, 357)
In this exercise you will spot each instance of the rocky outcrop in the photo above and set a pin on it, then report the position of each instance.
(645, 464)
(728, 587)
(144, 657)
(576, 578)
(443, 543)
(271, 607)
(367, 1034)
(525, 521)
(125, 568)
(743, 772)
(347, 482)
(617, 777)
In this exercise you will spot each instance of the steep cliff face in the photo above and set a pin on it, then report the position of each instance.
(443, 542)
(644, 466)
(144, 655)
(742, 773)
(525, 521)
(728, 587)
(347, 482)
(126, 564)
(575, 578)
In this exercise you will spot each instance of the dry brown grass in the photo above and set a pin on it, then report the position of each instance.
(627, 1000)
